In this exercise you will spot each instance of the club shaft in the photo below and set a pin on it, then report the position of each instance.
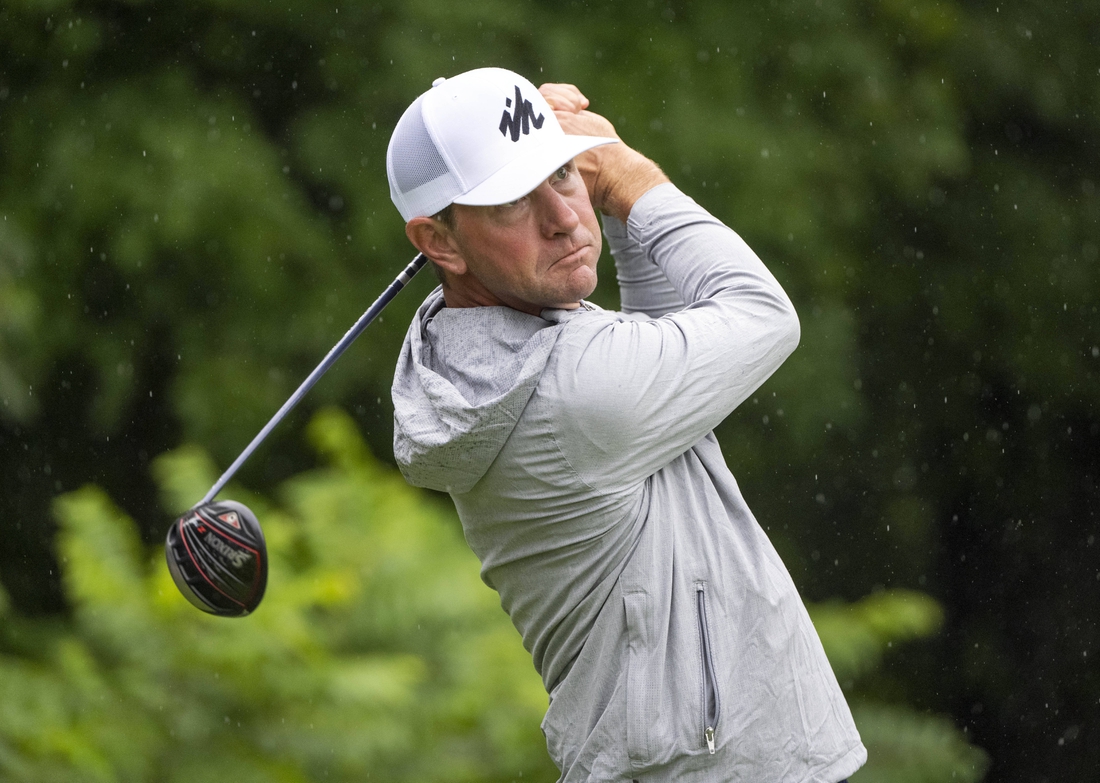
(357, 328)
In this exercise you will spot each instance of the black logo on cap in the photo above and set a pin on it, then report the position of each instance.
(521, 119)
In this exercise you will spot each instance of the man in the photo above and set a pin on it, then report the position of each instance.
(577, 446)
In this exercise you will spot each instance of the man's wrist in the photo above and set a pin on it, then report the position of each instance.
(624, 179)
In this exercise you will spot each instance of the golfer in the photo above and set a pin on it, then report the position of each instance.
(577, 442)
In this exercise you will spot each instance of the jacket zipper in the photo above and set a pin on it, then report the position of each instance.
(710, 681)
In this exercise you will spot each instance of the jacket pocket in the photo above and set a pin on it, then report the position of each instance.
(710, 699)
(638, 708)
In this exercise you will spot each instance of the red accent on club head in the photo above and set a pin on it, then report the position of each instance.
(231, 519)
(202, 573)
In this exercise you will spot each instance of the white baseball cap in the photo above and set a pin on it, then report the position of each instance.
(483, 137)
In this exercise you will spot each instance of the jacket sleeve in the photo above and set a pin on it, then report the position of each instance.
(634, 394)
(643, 286)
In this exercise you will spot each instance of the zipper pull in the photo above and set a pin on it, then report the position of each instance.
(709, 734)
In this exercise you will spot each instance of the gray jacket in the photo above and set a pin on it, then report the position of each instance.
(577, 447)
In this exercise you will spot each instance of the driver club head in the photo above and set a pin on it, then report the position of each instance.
(218, 559)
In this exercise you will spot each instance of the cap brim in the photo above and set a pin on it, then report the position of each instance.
(521, 176)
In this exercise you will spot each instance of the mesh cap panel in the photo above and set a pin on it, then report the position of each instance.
(416, 161)
(420, 181)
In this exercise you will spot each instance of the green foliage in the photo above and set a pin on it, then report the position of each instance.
(907, 747)
(903, 744)
(20, 315)
(377, 651)
(857, 635)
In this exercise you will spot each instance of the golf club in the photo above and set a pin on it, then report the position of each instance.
(216, 551)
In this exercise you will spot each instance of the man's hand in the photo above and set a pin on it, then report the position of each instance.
(616, 175)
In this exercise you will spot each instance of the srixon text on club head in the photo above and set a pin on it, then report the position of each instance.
(218, 559)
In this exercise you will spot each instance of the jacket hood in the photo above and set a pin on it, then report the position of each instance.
(462, 380)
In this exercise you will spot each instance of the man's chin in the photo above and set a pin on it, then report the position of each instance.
(577, 285)
(585, 284)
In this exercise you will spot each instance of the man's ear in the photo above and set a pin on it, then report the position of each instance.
(435, 240)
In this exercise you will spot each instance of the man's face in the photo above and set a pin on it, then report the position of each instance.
(537, 252)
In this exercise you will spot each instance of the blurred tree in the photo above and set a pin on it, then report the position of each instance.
(903, 745)
(368, 655)
(193, 208)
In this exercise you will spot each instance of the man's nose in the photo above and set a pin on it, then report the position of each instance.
(556, 215)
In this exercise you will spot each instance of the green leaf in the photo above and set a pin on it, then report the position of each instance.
(855, 636)
(904, 746)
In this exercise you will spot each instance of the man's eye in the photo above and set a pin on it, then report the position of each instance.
(510, 205)
(562, 173)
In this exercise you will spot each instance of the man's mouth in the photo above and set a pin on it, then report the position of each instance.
(574, 256)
